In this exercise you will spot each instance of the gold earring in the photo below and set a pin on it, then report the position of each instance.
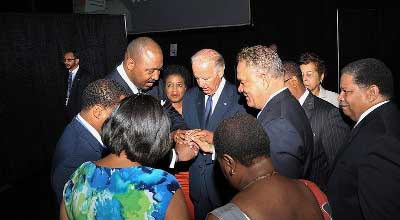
(232, 172)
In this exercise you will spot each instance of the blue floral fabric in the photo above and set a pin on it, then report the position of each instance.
(139, 192)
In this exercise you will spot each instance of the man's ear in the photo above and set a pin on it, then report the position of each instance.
(220, 73)
(373, 93)
(97, 111)
(294, 82)
(265, 80)
(229, 164)
(130, 63)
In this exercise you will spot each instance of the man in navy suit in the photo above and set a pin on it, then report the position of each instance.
(139, 72)
(76, 80)
(208, 187)
(80, 141)
(365, 182)
(261, 77)
(329, 128)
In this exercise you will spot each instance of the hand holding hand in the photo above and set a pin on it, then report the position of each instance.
(203, 145)
(205, 136)
(178, 136)
(186, 151)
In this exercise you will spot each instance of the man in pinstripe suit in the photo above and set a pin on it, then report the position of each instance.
(330, 130)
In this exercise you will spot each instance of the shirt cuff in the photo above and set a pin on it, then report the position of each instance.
(174, 159)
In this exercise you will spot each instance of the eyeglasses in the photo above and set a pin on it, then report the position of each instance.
(69, 59)
(287, 79)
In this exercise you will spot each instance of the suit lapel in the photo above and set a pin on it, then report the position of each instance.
(271, 110)
(200, 108)
(94, 144)
(308, 105)
(75, 83)
(354, 132)
(223, 103)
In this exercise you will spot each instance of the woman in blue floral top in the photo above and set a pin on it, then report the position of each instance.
(123, 185)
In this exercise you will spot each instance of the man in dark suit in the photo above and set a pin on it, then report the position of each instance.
(80, 141)
(329, 128)
(140, 72)
(204, 107)
(365, 182)
(76, 79)
(261, 78)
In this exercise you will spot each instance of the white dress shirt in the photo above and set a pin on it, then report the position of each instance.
(125, 77)
(90, 128)
(364, 114)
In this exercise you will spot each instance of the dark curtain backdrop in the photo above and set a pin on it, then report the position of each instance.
(295, 27)
(372, 32)
(31, 80)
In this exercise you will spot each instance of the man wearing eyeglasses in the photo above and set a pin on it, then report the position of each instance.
(76, 80)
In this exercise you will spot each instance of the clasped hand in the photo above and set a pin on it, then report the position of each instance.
(189, 142)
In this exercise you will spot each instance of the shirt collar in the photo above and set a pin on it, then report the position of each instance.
(216, 95)
(74, 72)
(90, 128)
(270, 97)
(322, 92)
(303, 97)
(363, 115)
(125, 77)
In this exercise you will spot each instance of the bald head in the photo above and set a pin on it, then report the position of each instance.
(143, 62)
(140, 45)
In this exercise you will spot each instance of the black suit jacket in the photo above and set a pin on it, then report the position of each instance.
(330, 131)
(290, 134)
(156, 91)
(365, 182)
(81, 80)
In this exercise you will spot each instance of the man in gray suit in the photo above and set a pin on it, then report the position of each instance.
(329, 128)
(261, 78)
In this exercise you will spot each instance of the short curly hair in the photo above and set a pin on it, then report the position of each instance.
(104, 92)
(263, 58)
(243, 138)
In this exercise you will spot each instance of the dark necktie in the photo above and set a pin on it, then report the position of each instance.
(69, 86)
(207, 111)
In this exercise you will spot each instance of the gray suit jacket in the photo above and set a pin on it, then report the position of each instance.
(290, 134)
(330, 132)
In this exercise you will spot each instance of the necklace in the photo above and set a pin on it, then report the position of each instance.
(267, 175)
